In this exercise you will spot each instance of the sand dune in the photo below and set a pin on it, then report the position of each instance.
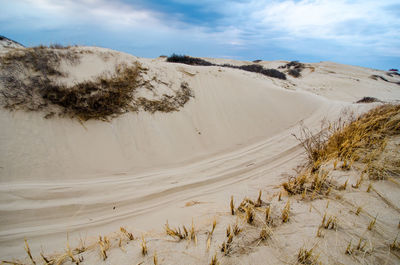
(61, 176)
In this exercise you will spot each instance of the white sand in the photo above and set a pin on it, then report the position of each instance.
(234, 138)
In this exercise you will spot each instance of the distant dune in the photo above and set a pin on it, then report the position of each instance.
(184, 139)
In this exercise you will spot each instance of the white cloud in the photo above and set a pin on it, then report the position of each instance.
(367, 24)
(115, 16)
(327, 19)
(108, 14)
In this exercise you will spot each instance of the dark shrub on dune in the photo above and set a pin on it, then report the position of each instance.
(174, 58)
(255, 68)
(294, 68)
(368, 100)
(294, 72)
(250, 68)
(259, 69)
(376, 77)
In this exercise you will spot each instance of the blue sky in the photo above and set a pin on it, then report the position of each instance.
(357, 32)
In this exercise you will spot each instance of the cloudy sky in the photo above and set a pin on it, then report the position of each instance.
(357, 32)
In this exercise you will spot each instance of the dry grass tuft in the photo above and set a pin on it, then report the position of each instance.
(265, 232)
(182, 234)
(47, 261)
(359, 181)
(209, 237)
(236, 229)
(246, 203)
(226, 246)
(268, 218)
(306, 256)
(177, 233)
(228, 231)
(351, 139)
(348, 249)
(295, 185)
(11, 262)
(104, 245)
(319, 232)
(126, 233)
(358, 211)
(286, 212)
(81, 247)
(144, 246)
(155, 258)
(361, 246)
(331, 223)
(214, 260)
(369, 187)
(395, 246)
(308, 183)
(232, 205)
(259, 202)
(120, 245)
(343, 187)
(28, 251)
(70, 254)
(250, 215)
(372, 223)
(213, 226)
(192, 233)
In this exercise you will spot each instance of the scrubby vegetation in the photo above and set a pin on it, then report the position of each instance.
(360, 139)
(58, 46)
(368, 100)
(167, 103)
(174, 58)
(392, 74)
(294, 68)
(28, 77)
(294, 72)
(255, 68)
(99, 99)
(376, 77)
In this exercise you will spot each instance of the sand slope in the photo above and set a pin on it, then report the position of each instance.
(140, 169)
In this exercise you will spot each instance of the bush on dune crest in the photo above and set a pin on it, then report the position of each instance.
(294, 68)
(255, 68)
(174, 58)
